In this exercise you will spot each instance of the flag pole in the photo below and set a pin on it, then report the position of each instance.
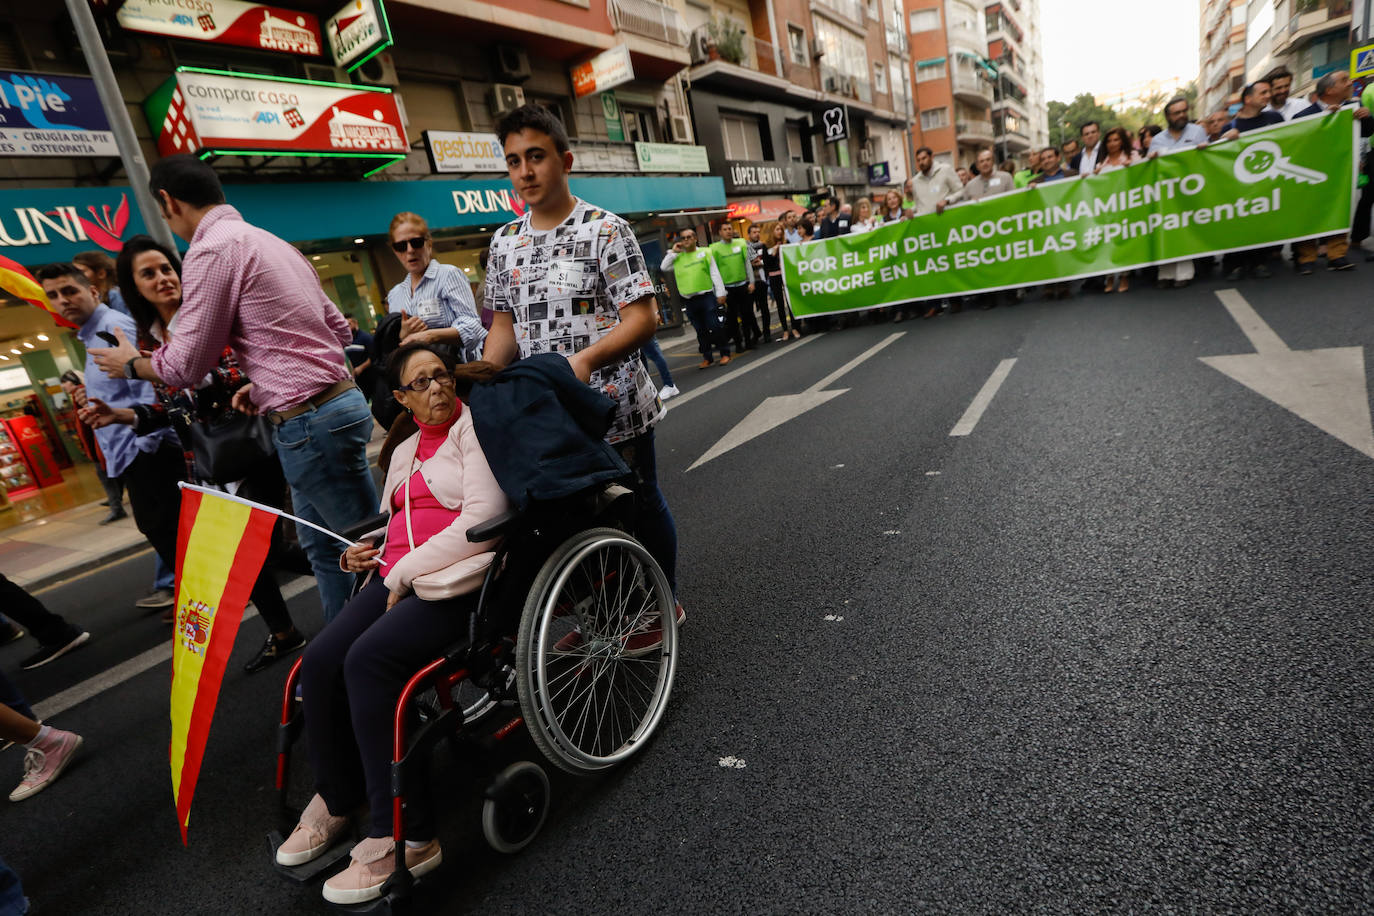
(248, 502)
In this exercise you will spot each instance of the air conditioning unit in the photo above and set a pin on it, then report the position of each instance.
(512, 63)
(815, 176)
(699, 45)
(324, 73)
(379, 71)
(503, 98)
(679, 129)
(846, 86)
(817, 49)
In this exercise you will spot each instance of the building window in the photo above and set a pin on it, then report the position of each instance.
(934, 118)
(873, 10)
(741, 136)
(925, 20)
(879, 76)
(927, 72)
(796, 41)
(796, 146)
(640, 124)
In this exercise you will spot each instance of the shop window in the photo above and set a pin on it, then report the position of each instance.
(796, 43)
(925, 20)
(742, 137)
(934, 118)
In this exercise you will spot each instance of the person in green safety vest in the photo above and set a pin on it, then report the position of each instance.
(1022, 179)
(700, 288)
(732, 259)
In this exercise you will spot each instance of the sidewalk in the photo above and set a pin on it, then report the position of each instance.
(40, 553)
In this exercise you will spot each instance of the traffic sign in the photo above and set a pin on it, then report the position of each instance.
(1362, 61)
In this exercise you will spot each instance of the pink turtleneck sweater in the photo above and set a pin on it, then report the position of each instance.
(427, 515)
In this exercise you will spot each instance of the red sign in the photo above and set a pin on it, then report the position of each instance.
(26, 433)
(744, 209)
(227, 22)
(238, 113)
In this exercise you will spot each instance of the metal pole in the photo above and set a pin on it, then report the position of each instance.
(130, 153)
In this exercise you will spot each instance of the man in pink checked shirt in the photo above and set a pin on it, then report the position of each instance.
(245, 288)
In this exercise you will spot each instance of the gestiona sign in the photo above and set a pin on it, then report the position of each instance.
(208, 112)
(226, 22)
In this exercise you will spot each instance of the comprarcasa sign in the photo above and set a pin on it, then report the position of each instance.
(208, 110)
(228, 22)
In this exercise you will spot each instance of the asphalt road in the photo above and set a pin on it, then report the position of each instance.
(1110, 651)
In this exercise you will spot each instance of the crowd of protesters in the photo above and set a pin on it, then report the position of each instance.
(937, 185)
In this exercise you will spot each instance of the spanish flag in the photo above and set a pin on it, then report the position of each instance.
(221, 545)
(18, 282)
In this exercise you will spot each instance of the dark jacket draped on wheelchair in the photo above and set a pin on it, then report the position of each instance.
(543, 431)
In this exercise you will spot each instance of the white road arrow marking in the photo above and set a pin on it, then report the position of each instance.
(775, 411)
(1327, 388)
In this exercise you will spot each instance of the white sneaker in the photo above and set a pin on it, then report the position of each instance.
(668, 391)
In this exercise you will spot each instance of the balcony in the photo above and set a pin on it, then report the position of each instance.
(969, 38)
(973, 130)
(842, 84)
(896, 40)
(1012, 105)
(970, 87)
(1015, 140)
(1312, 18)
(649, 19)
(853, 10)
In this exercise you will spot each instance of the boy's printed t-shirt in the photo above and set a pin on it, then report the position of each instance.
(564, 288)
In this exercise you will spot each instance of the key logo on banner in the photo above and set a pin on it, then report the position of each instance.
(1265, 159)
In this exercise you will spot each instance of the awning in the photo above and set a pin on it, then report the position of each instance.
(769, 210)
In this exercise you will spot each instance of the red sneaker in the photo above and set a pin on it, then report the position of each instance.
(648, 636)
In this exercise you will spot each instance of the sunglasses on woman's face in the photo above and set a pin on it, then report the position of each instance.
(415, 244)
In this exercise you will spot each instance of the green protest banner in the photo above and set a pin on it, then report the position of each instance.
(1284, 183)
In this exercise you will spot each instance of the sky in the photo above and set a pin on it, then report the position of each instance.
(1113, 44)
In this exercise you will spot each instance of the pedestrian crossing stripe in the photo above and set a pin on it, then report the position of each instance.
(1362, 61)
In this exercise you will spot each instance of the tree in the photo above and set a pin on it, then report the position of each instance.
(1065, 119)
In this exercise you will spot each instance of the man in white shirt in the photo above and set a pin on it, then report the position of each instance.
(1090, 133)
(1280, 84)
(934, 187)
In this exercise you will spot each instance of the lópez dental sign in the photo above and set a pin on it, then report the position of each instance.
(226, 22)
(43, 114)
(206, 110)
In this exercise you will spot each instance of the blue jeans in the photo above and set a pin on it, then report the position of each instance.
(711, 334)
(162, 576)
(11, 697)
(323, 453)
(654, 354)
(12, 899)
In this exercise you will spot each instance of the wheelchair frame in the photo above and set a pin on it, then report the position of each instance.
(541, 550)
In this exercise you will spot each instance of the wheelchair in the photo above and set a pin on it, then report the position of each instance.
(551, 647)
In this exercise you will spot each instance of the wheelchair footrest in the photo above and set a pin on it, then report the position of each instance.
(311, 871)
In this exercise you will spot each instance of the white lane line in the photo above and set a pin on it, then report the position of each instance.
(59, 703)
(733, 374)
(983, 399)
(1262, 337)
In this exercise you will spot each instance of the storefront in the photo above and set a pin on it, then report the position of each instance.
(340, 227)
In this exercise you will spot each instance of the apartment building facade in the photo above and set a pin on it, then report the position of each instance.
(978, 77)
(792, 98)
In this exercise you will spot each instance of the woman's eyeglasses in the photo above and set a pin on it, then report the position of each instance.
(415, 244)
(421, 383)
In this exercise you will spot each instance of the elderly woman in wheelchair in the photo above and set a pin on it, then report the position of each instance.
(420, 590)
(553, 607)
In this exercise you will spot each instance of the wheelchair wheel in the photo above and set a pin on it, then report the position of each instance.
(596, 651)
(516, 805)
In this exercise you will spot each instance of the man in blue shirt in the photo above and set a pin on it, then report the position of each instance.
(150, 465)
(1181, 133)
